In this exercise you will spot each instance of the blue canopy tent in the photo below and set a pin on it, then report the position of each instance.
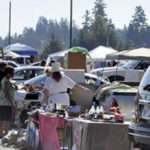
(21, 49)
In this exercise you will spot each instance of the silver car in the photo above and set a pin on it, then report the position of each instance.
(25, 73)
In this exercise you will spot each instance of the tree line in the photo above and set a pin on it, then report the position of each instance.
(51, 36)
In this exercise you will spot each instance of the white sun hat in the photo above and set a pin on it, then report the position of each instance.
(56, 67)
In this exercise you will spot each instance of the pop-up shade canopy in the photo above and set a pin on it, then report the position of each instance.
(8, 53)
(135, 54)
(21, 49)
(59, 54)
(100, 52)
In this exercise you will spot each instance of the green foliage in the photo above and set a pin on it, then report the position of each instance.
(41, 28)
(87, 21)
(97, 31)
(39, 37)
(137, 29)
(53, 46)
(52, 35)
(99, 8)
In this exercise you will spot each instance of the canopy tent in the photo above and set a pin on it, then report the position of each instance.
(59, 54)
(21, 49)
(135, 54)
(100, 52)
(8, 53)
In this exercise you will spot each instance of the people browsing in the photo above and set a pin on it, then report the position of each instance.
(7, 100)
(48, 71)
(2, 70)
(56, 86)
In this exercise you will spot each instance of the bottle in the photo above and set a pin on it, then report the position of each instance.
(51, 108)
(97, 110)
(44, 106)
(92, 110)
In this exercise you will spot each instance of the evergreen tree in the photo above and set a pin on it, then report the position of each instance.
(99, 8)
(87, 21)
(86, 40)
(42, 27)
(99, 31)
(111, 35)
(137, 29)
(1, 42)
(53, 46)
(64, 31)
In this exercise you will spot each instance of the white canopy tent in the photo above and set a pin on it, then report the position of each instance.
(100, 52)
(135, 54)
(59, 54)
(8, 53)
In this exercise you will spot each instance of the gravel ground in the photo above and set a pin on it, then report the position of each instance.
(7, 148)
(4, 148)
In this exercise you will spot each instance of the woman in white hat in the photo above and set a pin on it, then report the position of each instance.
(56, 87)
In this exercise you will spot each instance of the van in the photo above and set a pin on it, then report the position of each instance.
(130, 72)
(22, 60)
(139, 132)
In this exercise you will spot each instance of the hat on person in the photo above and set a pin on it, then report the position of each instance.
(56, 67)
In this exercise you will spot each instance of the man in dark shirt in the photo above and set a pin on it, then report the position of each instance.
(2, 69)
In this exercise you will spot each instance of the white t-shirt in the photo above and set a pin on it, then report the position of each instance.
(56, 89)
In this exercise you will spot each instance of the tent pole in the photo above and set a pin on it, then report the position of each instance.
(9, 33)
(71, 2)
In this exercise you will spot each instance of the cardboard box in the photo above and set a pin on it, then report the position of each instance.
(76, 61)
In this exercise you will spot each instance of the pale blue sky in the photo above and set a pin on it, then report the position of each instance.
(25, 13)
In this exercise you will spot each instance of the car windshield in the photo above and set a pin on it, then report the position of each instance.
(131, 64)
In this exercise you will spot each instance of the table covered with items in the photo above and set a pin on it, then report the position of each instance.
(99, 135)
(88, 131)
(101, 127)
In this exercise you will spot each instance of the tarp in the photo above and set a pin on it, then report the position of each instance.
(21, 49)
(135, 54)
(100, 52)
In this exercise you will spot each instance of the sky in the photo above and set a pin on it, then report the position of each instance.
(25, 13)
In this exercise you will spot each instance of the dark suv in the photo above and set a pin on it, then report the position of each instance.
(139, 133)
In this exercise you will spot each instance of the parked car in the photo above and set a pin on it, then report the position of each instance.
(24, 73)
(89, 78)
(123, 94)
(36, 64)
(22, 60)
(11, 63)
(139, 132)
(131, 71)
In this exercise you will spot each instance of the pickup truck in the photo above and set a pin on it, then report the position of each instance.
(131, 71)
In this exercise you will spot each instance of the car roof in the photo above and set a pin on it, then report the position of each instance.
(24, 56)
(9, 61)
(90, 75)
(35, 63)
(28, 68)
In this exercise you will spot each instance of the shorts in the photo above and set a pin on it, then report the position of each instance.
(5, 113)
